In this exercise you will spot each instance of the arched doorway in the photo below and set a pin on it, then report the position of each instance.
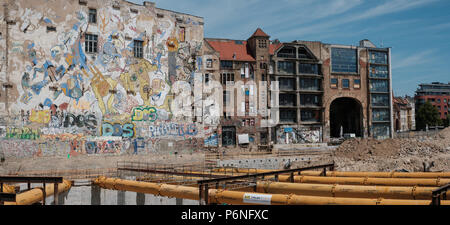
(346, 113)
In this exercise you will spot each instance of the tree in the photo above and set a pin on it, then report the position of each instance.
(427, 115)
(446, 121)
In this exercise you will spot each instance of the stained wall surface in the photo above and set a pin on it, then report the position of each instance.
(57, 98)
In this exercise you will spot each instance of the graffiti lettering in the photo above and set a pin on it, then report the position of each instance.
(144, 114)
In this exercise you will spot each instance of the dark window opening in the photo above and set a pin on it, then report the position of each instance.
(92, 16)
(286, 84)
(49, 28)
(228, 136)
(227, 77)
(288, 115)
(262, 43)
(226, 64)
(345, 83)
(286, 67)
(138, 49)
(310, 100)
(308, 68)
(303, 54)
(287, 52)
(310, 115)
(206, 78)
(288, 99)
(310, 84)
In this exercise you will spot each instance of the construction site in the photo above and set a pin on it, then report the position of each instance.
(399, 171)
(124, 103)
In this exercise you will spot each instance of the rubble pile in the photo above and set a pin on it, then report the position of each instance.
(398, 154)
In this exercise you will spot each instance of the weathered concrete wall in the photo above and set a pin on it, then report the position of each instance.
(61, 92)
(361, 94)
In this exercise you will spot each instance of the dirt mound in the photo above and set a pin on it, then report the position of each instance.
(400, 154)
(364, 148)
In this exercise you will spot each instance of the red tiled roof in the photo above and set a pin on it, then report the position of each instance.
(274, 47)
(260, 33)
(228, 48)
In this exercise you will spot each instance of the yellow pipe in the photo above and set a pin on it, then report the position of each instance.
(36, 194)
(330, 190)
(9, 189)
(392, 174)
(237, 197)
(353, 191)
(367, 181)
(430, 182)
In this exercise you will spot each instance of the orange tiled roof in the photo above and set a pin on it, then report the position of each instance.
(230, 48)
(274, 47)
(260, 33)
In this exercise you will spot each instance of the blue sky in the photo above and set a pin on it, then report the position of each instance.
(418, 31)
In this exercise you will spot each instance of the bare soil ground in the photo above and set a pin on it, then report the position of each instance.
(402, 154)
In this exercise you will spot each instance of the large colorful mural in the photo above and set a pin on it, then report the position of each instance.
(102, 101)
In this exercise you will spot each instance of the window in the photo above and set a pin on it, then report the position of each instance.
(91, 41)
(286, 52)
(288, 99)
(262, 43)
(308, 115)
(226, 98)
(378, 57)
(303, 54)
(287, 84)
(378, 71)
(49, 28)
(310, 100)
(343, 60)
(92, 16)
(138, 49)
(286, 67)
(227, 77)
(380, 100)
(345, 83)
(310, 84)
(439, 100)
(379, 85)
(380, 115)
(380, 130)
(206, 78)
(288, 115)
(226, 64)
(308, 68)
(357, 83)
(209, 63)
(263, 77)
(334, 82)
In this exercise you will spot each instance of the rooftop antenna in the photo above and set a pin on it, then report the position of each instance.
(382, 43)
